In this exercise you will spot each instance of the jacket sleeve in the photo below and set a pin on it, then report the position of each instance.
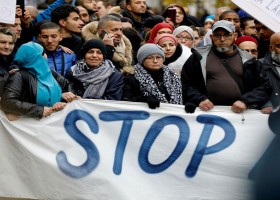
(65, 85)
(131, 89)
(114, 90)
(257, 85)
(193, 84)
(12, 102)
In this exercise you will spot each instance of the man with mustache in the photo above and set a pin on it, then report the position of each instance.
(222, 74)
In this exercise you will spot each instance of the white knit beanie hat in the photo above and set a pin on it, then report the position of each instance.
(182, 28)
(147, 50)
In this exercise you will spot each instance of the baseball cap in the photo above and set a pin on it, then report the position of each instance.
(224, 24)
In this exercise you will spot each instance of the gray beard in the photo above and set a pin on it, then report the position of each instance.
(225, 49)
(275, 57)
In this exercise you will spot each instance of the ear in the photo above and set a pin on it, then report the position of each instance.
(62, 22)
(211, 36)
(235, 36)
(270, 48)
(99, 31)
(40, 37)
(128, 7)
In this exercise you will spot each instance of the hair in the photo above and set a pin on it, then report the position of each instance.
(244, 20)
(50, 25)
(106, 3)
(79, 2)
(127, 2)
(62, 12)
(226, 12)
(103, 21)
(7, 31)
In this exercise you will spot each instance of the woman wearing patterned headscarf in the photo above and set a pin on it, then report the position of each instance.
(152, 82)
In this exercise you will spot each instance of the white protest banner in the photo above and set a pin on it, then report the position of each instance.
(96, 149)
(265, 11)
(7, 11)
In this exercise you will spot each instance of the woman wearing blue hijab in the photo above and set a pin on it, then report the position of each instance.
(33, 91)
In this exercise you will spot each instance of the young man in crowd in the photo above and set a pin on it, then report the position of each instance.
(50, 36)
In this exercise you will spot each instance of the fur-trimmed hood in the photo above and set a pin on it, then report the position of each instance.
(90, 32)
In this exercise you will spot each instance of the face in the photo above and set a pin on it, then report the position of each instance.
(208, 24)
(101, 10)
(94, 57)
(137, 6)
(169, 48)
(50, 38)
(249, 46)
(73, 23)
(196, 38)
(115, 28)
(153, 62)
(223, 40)
(84, 16)
(179, 15)
(234, 18)
(185, 38)
(164, 30)
(6, 44)
(90, 5)
(250, 28)
(275, 44)
(16, 27)
(263, 32)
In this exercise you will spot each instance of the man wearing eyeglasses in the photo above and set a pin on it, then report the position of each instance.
(271, 64)
(222, 74)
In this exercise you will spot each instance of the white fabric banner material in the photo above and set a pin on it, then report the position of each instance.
(7, 11)
(122, 150)
(265, 11)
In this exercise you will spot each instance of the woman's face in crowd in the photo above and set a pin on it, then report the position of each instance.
(179, 15)
(94, 57)
(153, 62)
(185, 38)
(164, 30)
(169, 48)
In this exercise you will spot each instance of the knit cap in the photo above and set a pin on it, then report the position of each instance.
(166, 37)
(245, 38)
(157, 28)
(183, 28)
(94, 43)
(147, 50)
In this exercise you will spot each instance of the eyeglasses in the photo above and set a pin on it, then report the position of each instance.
(252, 51)
(152, 58)
(184, 38)
(226, 36)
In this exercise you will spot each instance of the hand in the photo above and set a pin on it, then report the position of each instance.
(58, 106)
(108, 39)
(13, 71)
(168, 20)
(47, 111)
(12, 117)
(18, 11)
(66, 50)
(267, 110)
(68, 96)
(238, 107)
(190, 107)
(206, 105)
(153, 103)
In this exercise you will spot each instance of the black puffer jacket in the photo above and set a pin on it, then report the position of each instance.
(20, 92)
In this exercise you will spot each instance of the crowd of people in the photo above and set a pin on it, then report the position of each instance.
(103, 50)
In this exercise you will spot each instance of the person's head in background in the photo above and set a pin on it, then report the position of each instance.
(160, 29)
(197, 37)
(33, 11)
(185, 35)
(137, 8)
(83, 13)
(208, 23)
(233, 17)
(126, 22)
(102, 7)
(263, 32)
(90, 5)
(274, 47)
(67, 17)
(249, 44)
(50, 36)
(7, 41)
(219, 11)
(150, 22)
(16, 27)
(248, 27)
